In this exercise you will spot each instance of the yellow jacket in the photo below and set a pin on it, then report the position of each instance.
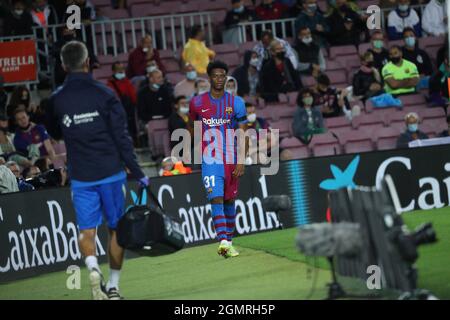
(196, 53)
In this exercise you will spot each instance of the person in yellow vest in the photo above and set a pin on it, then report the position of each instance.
(195, 51)
(400, 75)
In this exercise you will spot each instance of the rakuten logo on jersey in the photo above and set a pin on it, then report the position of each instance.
(216, 122)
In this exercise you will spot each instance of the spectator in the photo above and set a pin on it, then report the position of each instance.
(195, 51)
(247, 75)
(414, 54)
(296, 9)
(231, 86)
(15, 169)
(345, 25)
(31, 140)
(155, 101)
(434, 18)
(400, 76)
(379, 52)
(8, 151)
(400, 18)
(278, 75)
(87, 10)
(18, 21)
(438, 88)
(412, 131)
(180, 119)
(268, 10)
(312, 18)
(311, 59)
(262, 49)
(328, 99)
(446, 132)
(68, 35)
(140, 57)
(126, 92)
(367, 80)
(43, 14)
(186, 87)
(20, 99)
(307, 118)
(8, 181)
(239, 13)
(202, 86)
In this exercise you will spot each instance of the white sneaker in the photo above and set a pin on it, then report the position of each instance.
(96, 280)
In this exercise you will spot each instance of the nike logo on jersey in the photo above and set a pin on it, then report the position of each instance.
(205, 110)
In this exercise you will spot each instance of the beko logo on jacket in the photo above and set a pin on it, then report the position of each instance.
(216, 122)
(79, 118)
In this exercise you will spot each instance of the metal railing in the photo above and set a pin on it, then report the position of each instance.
(249, 31)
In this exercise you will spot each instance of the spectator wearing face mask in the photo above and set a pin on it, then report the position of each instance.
(155, 101)
(308, 119)
(400, 76)
(419, 57)
(434, 18)
(400, 18)
(231, 86)
(202, 86)
(195, 51)
(180, 119)
(345, 25)
(311, 59)
(239, 13)
(126, 93)
(367, 80)
(140, 57)
(379, 52)
(312, 18)
(270, 10)
(247, 75)
(278, 75)
(412, 131)
(186, 87)
(15, 169)
(262, 49)
(18, 21)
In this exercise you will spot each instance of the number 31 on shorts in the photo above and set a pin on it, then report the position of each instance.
(209, 181)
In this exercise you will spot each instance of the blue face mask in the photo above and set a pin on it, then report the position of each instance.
(410, 41)
(191, 75)
(413, 127)
(239, 10)
(120, 75)
(156, 86)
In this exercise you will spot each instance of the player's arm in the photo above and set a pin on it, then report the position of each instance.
(117, 124)
(241, 117)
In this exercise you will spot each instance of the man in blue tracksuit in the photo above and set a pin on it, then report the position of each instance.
(92, 121)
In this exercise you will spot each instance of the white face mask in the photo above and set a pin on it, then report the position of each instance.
(184, 109)
(231, 91)
(254, 62)
(251, 117)
(145, 50)
(18, 12)
(151, 69)
(307, 40)
(120, 75)
(156, 86)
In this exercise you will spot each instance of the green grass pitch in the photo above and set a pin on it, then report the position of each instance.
(269, 267)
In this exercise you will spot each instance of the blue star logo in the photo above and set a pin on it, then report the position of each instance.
(136, 201)
(342, 179)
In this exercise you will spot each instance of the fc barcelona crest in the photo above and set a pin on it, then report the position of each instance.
(229, 110)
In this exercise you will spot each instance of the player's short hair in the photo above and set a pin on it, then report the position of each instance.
(217, 64)
(179, 98)
(73, 55)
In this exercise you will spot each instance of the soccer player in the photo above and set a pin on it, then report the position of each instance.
(94, 126)
(221, 113)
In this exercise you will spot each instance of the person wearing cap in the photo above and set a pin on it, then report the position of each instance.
(345, 25)
(412, 131)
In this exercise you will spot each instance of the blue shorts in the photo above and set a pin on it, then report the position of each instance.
(92, 203)
(218, 181)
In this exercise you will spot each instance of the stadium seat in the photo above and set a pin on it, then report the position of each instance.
(175, 77)
(232, 59)
(247, 46)
(325, 144)
(292, 97)
(363, 47)
(225, 48)
(308, 81)
(284, 125)
(157, 130)
(432, 113)
(356, 141)
(115, 13)
(416, 99)
(386, 138)
(298, 149)
(342, 51)
(370, 122)
(337, 124)
(427, 42)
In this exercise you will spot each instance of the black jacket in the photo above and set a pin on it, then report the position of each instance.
(406, 137)
(232, 18)
(380, 59)
(420, 58)
(154, 103)
(92, 121)
(14, 25)
(241, 75)
(338, 34)
(273, 82)
(361, 84)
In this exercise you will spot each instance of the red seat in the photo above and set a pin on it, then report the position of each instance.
(308, 81)
(175, 77)
(363, 47)
(386, 138)
(342, 51)
(284, 125)
(325, 144)
(225, 48)
(147, 9)
(337, 77)
(426, 42)
(171, 65)
(413, 100)
(337, 124)
(355, 141)
(435, 125)
(370, 122)
(231, 59)
(292, 97)
(115, 13)
(157, 130)
(432, 113)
